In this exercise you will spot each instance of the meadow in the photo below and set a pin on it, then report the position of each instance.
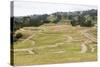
(55, 43)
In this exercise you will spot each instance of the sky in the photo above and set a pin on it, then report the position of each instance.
(24, 8)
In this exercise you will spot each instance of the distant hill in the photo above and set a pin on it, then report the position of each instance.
(82, 18)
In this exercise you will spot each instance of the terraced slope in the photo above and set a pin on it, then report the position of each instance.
(55, 44)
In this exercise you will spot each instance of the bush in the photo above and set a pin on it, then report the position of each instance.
(74, 23)
(89, 23)
(18, 35)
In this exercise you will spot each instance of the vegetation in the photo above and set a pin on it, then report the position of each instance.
(83, 18)
(54, 46)
(44, 39)
(18, 35)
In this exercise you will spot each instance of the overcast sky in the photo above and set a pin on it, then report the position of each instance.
(22, 8)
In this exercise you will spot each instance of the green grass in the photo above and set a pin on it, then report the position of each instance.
(26, 44)
(50, 36)
(49, 58)
(47, 39)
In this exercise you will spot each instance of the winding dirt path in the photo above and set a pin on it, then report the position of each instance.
(84, 47)
(29, 50)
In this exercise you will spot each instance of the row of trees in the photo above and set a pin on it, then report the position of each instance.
(82, 18)
(35, 20)
(86, 20)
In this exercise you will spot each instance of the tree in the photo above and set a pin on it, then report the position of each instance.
(88, 21)
(26, 21)
(18, 35)
(75, 21)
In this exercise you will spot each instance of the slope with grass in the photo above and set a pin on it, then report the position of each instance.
(54, 44)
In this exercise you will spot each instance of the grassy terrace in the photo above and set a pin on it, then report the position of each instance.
(53, 58)
(53, 44)
(19, 44)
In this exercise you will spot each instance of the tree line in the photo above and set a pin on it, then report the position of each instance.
(86, 18)
(82, 18)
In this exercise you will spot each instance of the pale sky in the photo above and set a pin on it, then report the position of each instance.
(23, 8)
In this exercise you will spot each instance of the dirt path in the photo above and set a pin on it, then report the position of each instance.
(57, 44)
(29, 37)
(57, 52)
(90, 37)
(69, 38)
(84, 47)
(29, 50)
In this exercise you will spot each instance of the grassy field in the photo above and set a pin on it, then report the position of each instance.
(53, 44)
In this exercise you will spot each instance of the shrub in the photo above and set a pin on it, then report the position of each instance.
(18, 35)
(74, 23)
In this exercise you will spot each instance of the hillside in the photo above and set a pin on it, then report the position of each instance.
(54, 43)
(54, 38)
(86, 18)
